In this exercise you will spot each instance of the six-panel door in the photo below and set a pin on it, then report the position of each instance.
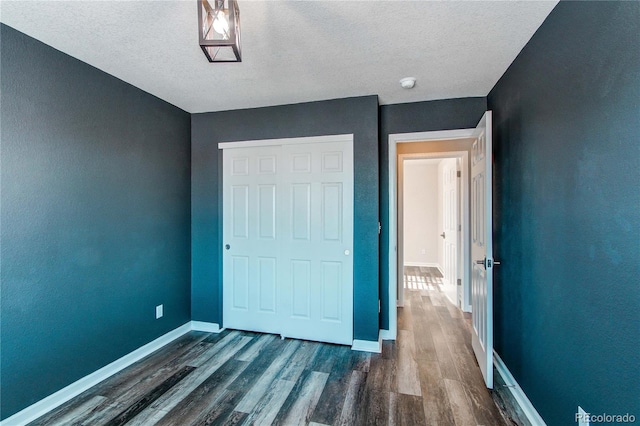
(482, 249)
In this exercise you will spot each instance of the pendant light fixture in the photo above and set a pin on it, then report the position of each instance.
(219, 28)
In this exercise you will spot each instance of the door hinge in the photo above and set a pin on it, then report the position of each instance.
(459, 173)
(379, 228)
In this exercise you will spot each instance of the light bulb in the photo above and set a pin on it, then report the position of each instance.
(220, 23)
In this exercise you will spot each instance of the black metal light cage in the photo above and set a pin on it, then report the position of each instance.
(225, 46)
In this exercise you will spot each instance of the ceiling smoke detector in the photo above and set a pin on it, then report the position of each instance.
(408, 82)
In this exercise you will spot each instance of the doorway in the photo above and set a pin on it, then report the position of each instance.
(438, 144)
(476, 227)
(430, 225)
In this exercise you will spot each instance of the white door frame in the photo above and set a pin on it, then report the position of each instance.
(394, 140)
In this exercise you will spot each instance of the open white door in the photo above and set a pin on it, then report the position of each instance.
(482, 248)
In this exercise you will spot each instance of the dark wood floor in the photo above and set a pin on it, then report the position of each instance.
(428, 376)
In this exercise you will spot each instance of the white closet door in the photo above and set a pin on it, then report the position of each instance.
(317, 249)
(251, 246)
(288, 226)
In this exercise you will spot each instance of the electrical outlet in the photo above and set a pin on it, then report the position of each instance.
(159, 311)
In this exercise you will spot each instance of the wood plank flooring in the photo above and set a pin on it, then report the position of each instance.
(427, 377)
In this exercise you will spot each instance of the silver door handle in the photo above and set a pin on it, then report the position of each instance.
(487, 262)
(442, 235)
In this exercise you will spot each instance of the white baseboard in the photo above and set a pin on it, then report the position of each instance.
(387, 335)
(516, 391)
(423, 264)
(453, 301)
(58, 398)
(209, 327)
(368, 345)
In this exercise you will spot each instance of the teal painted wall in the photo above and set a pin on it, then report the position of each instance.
(567, 212)
(94, 219)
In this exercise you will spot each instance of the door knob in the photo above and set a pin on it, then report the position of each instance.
(442, 235)
(227, 246)
(482, 262)
(347, 252)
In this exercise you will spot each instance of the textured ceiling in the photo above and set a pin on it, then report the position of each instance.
(293, 51)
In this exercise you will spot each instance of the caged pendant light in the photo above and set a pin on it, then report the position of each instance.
(219, 29)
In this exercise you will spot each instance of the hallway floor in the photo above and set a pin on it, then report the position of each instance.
(427, 377)
(428, 278)
(439, 337)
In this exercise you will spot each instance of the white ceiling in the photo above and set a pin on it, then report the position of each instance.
(292, 51)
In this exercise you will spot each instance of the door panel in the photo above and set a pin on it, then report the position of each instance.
(267, 165)
(240, 166)
(321, 222)
(240, 283)
(331, 285)
(267, 284)
(301, 284)
(250, 268)
(332, 162)
(482, 249)
(301, 211)
(332, 211)
(267, 211)
(240, 212)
